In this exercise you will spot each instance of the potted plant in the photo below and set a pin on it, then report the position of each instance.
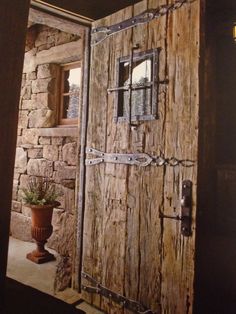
(40, 196)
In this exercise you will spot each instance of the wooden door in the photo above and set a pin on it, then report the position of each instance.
(128, 250)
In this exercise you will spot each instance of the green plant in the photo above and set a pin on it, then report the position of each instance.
(39, 191)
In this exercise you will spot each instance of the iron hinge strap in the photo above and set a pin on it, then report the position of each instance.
(142, 18)
(113, 296)
(138, 159)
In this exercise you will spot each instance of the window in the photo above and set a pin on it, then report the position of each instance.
(137, 80)
(70, 93)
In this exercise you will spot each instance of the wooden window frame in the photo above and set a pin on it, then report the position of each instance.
(154, 54)
(63, 68)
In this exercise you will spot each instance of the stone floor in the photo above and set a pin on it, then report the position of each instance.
(40, 277)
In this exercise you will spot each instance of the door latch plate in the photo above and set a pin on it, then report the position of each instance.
(186, 208)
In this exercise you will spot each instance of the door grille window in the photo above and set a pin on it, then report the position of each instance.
(137, 80)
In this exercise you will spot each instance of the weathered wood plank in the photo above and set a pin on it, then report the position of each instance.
(115, 181)
(181, 142)
(96, 138)
(81, 169)
(39, 17)
(143, 281)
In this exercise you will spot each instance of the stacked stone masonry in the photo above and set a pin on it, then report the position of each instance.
(53, 156)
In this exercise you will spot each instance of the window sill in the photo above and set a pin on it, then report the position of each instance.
(60, 131)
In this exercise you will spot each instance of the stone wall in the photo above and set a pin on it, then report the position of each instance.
(42, 148)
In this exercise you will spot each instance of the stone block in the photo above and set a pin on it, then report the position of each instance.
(48, 70)
(31, 76)
(41, 118)
(16, 176)
(45, 140)
(30, 37)
(16, 206)
(67, 172)
(62, 38)
(26, 211)
(57, 140)
(35, 153)
(30, 136)
(19, 140)
(41, 38)
(15, 193)
(58, 165)
(71, 139)
(50, 152)
(30, 61)
(45, 100)
(62, 238)
(24, 179)
(21, 227)
(69, 153)
(26, 92)
(40, 167)
(19, 131)
(21, 159)
(63, 273)
(23, 119)
(15, 183)
(43, 85)
(23, 80)
(28, 104)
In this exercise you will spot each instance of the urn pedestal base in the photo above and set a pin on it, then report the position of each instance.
(40, 255)
(40, 259)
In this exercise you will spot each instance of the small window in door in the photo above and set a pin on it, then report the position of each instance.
(137, 94)
(70, 93)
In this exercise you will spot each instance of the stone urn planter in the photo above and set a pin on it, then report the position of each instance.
(41, 230)
(40, 196)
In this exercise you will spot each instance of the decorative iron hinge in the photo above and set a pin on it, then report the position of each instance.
(113, 296)
(138, 159)
(105, 31)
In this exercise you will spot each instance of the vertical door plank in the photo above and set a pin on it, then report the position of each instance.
(96, 138)
(181, 142)
(115, 180)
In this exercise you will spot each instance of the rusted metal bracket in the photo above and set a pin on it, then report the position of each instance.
(186, 209)
(113, 296)
(105, 31)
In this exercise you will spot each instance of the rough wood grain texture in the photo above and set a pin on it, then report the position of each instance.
(13, 23)
(115, 181)
(181, 141)
(127, 247)
(94, 191)
(39, 17)
(81, 170)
